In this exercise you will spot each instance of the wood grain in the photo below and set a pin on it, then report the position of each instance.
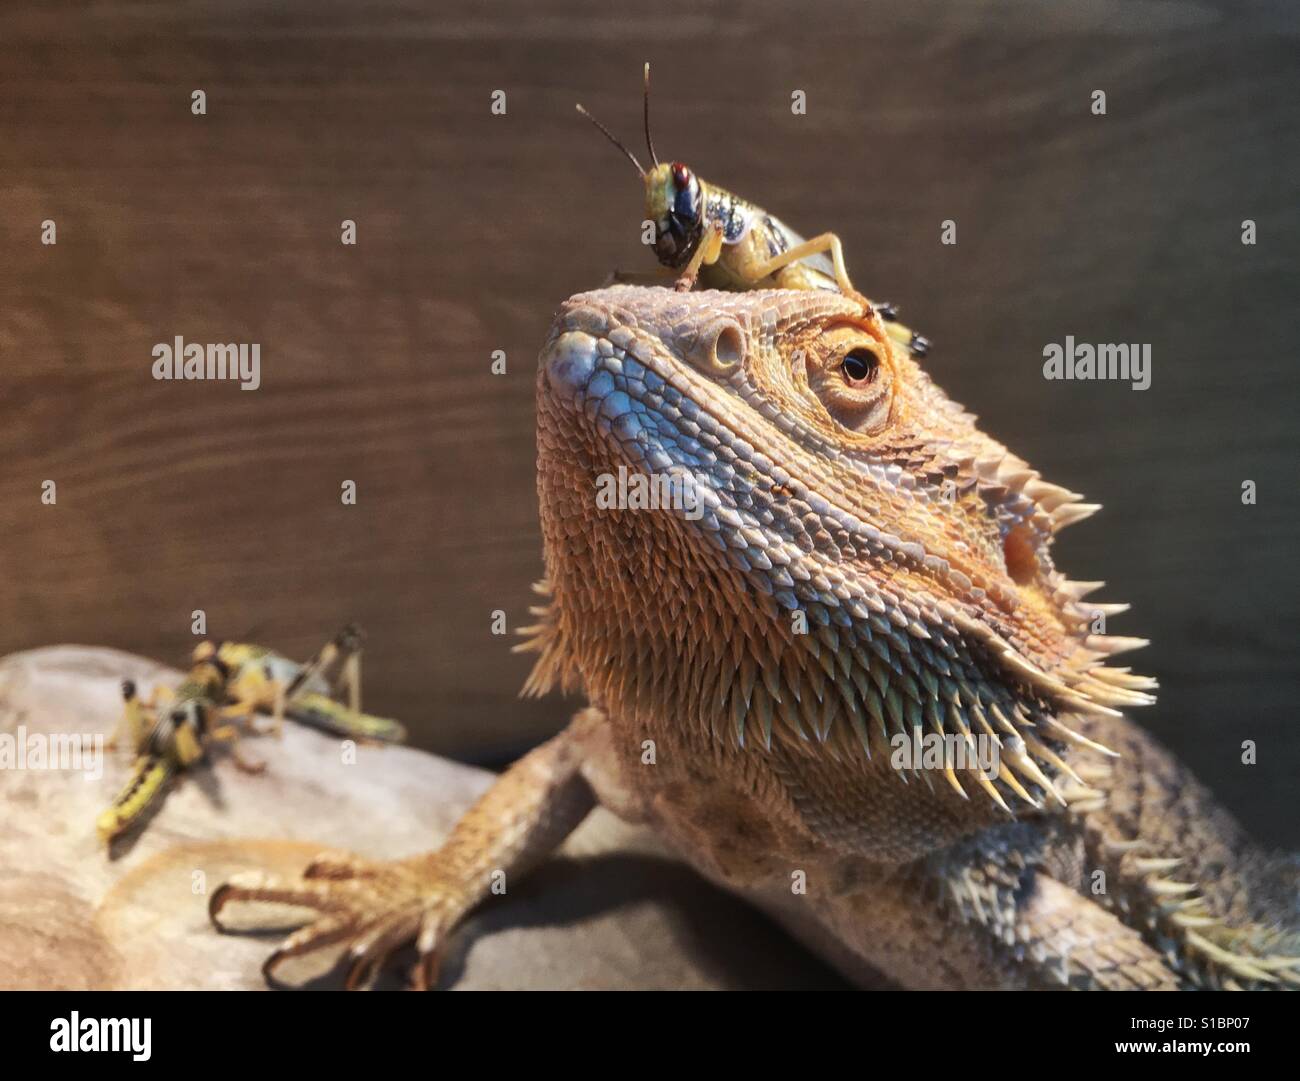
(472, 228)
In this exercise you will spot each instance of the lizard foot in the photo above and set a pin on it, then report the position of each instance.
(348, 911)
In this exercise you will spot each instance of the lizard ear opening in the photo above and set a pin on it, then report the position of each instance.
(717, 349)
(1020, 555)
(728, 346)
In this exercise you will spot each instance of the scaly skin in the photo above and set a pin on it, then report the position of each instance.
(867, 563)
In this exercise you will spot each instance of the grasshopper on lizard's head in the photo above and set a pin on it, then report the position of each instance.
(707, 233)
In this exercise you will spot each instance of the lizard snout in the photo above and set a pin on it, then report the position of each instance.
(569, 362)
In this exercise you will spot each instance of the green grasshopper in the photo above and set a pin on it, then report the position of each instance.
(229, 680)
(707, 233)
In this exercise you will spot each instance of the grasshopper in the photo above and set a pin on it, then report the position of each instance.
(169, 734)
(706, 233)
(262, 680)
(228, 681)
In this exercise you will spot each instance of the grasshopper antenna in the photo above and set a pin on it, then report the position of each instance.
(649, 143)
(613, 139)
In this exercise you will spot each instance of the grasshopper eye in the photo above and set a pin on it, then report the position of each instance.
(178, 716)
(675, 201)
(686, 201)
(860, 367)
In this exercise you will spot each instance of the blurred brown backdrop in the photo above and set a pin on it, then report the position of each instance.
(471, 228)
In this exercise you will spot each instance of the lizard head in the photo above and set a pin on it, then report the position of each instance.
(821, 499)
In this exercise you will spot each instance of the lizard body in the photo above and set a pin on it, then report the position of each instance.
(859, 564)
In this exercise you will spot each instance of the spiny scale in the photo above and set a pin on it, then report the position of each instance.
(1208, 951)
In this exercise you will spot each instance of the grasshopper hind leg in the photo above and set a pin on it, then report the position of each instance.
(829, 244)
(914, 343)
(229, 733)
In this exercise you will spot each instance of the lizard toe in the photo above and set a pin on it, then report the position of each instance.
(346, 914)
(373, 946)
(310, 953)
(252, 901)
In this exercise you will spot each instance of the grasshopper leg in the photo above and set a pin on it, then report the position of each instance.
(240, 707)
(706, 254)
(277, 710)
(229, 733)
(138, 716)
(345, 651)
(132, 721)
(343, 646)
(351, 678)
(914, 343)
(250, 703)
(818, 245)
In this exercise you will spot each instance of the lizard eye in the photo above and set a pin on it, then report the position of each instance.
(851, 378)
(860, 367)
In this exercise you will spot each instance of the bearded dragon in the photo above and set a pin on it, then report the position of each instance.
(863, 566)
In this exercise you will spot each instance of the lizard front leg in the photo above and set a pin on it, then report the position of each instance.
(366, 909)
(990, 913)
(1045, 934)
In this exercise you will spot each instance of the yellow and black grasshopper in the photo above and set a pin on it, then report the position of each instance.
(265, 681)
(706, 233)
(168, 734)
(230, 681)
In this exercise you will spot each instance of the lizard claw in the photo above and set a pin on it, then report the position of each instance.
(349, 913)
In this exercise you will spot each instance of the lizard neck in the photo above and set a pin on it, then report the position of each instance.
(641, 617)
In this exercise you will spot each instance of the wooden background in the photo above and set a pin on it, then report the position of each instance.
(472, 228)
